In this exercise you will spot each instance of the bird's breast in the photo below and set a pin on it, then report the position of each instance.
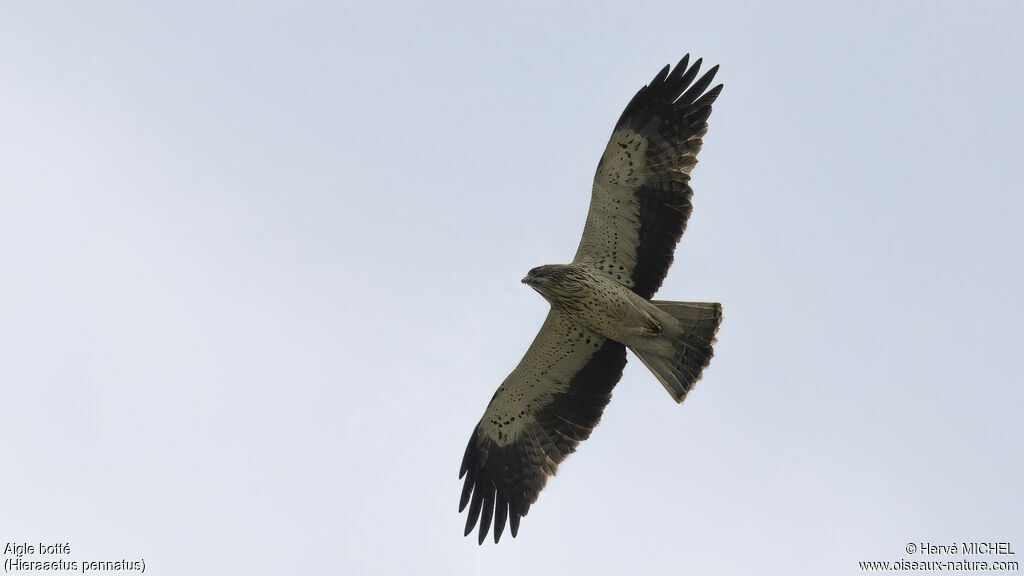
(603, 305)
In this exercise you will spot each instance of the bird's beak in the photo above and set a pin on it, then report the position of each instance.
(525, 280)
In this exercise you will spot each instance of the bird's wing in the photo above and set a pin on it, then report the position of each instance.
(540, 413)
(641, 196)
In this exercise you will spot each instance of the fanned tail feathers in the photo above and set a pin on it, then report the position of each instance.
(692, 345)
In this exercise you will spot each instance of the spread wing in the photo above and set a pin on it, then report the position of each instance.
(641, 195)
(540, 413)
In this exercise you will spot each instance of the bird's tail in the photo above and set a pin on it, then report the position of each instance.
(679, 365)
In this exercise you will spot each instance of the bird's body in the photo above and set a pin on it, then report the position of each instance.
(585, 296)
(601, 305)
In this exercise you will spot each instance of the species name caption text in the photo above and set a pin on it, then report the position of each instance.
(45, 557)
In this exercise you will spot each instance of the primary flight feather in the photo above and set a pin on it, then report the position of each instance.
(601, 305)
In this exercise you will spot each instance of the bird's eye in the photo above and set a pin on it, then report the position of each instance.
(533, 272)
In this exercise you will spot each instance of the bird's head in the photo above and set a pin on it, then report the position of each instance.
(539, 276)
(559, 284)
(550, 280)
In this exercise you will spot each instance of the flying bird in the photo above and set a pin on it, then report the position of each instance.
(601, 305)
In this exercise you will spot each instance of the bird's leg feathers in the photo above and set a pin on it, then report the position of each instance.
(653, 327)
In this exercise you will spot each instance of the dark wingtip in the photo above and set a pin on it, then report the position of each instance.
(467, 456)
(678, 71)
(660, 77)
(500, 515)
(467, 490)
(474, 510)
(709, 97)
(710, 74)
(485, 516)
(698, 88)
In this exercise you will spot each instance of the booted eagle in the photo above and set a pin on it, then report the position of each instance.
(600, 305)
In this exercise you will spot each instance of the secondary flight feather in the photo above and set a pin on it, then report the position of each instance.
(601, 305)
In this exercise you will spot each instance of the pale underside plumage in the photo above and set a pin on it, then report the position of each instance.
(639, 206)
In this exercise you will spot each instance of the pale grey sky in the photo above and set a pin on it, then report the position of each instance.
(261, 273)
